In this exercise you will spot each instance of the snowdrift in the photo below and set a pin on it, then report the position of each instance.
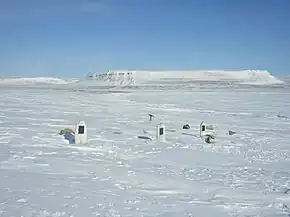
(32, 81)
(135, 77)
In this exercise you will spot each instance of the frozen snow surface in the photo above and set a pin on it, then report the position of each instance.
(121, 174)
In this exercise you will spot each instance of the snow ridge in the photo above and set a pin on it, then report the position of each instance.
(33, 81)
(140, 77)
(133, 77)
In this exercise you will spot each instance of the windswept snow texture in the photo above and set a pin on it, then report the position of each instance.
(133, 77)
(119, 174)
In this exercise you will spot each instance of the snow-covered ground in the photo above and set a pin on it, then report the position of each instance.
(118, 174)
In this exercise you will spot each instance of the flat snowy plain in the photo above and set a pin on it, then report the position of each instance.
(117, 174)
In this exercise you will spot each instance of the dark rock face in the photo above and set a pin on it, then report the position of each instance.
(209, 138)
(231, 132)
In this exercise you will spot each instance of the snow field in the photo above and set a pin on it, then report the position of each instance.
(117, 174)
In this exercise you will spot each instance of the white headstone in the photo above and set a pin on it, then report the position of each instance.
(202, 129)
(81, 136)
(206, 130)
(160, 133)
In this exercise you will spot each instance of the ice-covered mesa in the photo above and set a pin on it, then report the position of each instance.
(133, 77)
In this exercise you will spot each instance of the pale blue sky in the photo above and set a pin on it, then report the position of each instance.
(74, 37)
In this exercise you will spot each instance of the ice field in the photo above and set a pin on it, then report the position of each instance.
(118, 174)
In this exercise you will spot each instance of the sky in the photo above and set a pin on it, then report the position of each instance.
(75, 37)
